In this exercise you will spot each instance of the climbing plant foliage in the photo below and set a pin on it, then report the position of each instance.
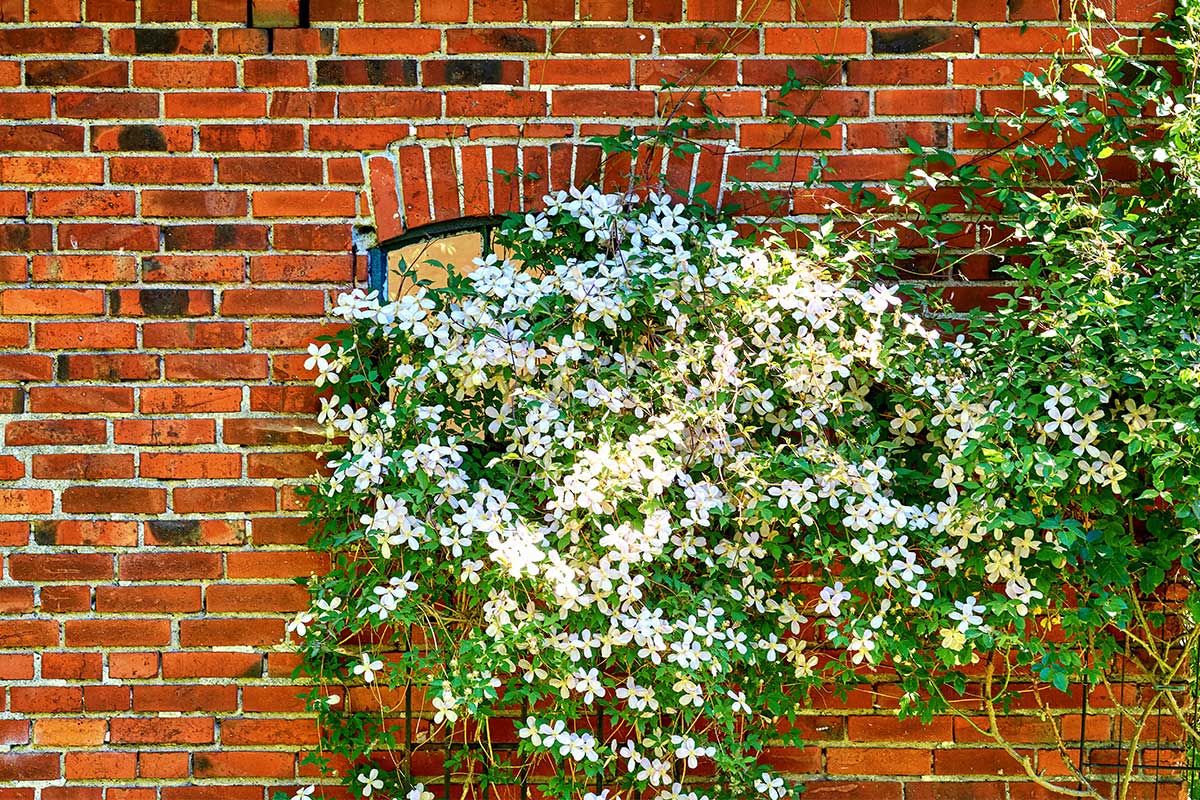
(633, 495)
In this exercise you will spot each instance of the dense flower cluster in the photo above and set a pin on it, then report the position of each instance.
(594, 463)
(595, 477)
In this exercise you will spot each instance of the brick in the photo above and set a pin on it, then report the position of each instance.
(14, 334)
(17, 667)
(83, 466)
(51, 170)
(224, 498)
(221, 11)
(160, 765)
(29, 767)
(66, 600)
(270, 170)
(111, 11)
(89, 268)
(256, 597)
(354, 137)
(28, 633)
(877, 761)
(1048, 40)
(191, 400)
(160, 302)
(189, 466)
(85, 336)
(284, 465)
(73, 667)
(108, 105)
(158, 731)
(299, 203)
(15, 41)
(179, 566)
(24, 105)
(215, 105)
(60, 567)
(101, 766)
(108, 236)
(161, 170)
(311, 236)
(24, 237)
(51, 302)
(182, 203)
(334, 10)
(16, 599)
(141, 137)
(305, 105)
(844, 790)
(164, 432)
(602, 103)
(942, 9)
(12, 399)
(185, 698)
(240, 138)
(275, 565)
(83, 203)
(158, 599)
(230, 763)
(256, 732)
(113, 499)
(132, 665)
(106, 698)
(272, 431)
(399, 41)
(275, 73)
(976, 761)
(389, 104)
(283, 399)
(272, 302)
(301, 269)
(14, 731)
(184, 74)
(909, 102)
(891, 729)
(63, 732)
(193, 269)
(193, 335)
(160, 41)
(26, 368)
(37, 138)
(271, 699)
(190, 532)
(11, 468)
(55, 11)
(895, 72)
(370, 72)
(212, 665)
(87, 532)
(251, 631)
(484, 103)
(55, 431)
(109, 74)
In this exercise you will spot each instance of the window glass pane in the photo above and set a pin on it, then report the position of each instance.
(457, 249)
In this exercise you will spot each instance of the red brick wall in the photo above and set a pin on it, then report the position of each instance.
(178, 197)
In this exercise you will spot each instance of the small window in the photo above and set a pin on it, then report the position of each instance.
(456, 243)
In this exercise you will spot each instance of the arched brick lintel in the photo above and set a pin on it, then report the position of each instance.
(415, 183)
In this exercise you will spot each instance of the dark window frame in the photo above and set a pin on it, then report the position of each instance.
(377, 257)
